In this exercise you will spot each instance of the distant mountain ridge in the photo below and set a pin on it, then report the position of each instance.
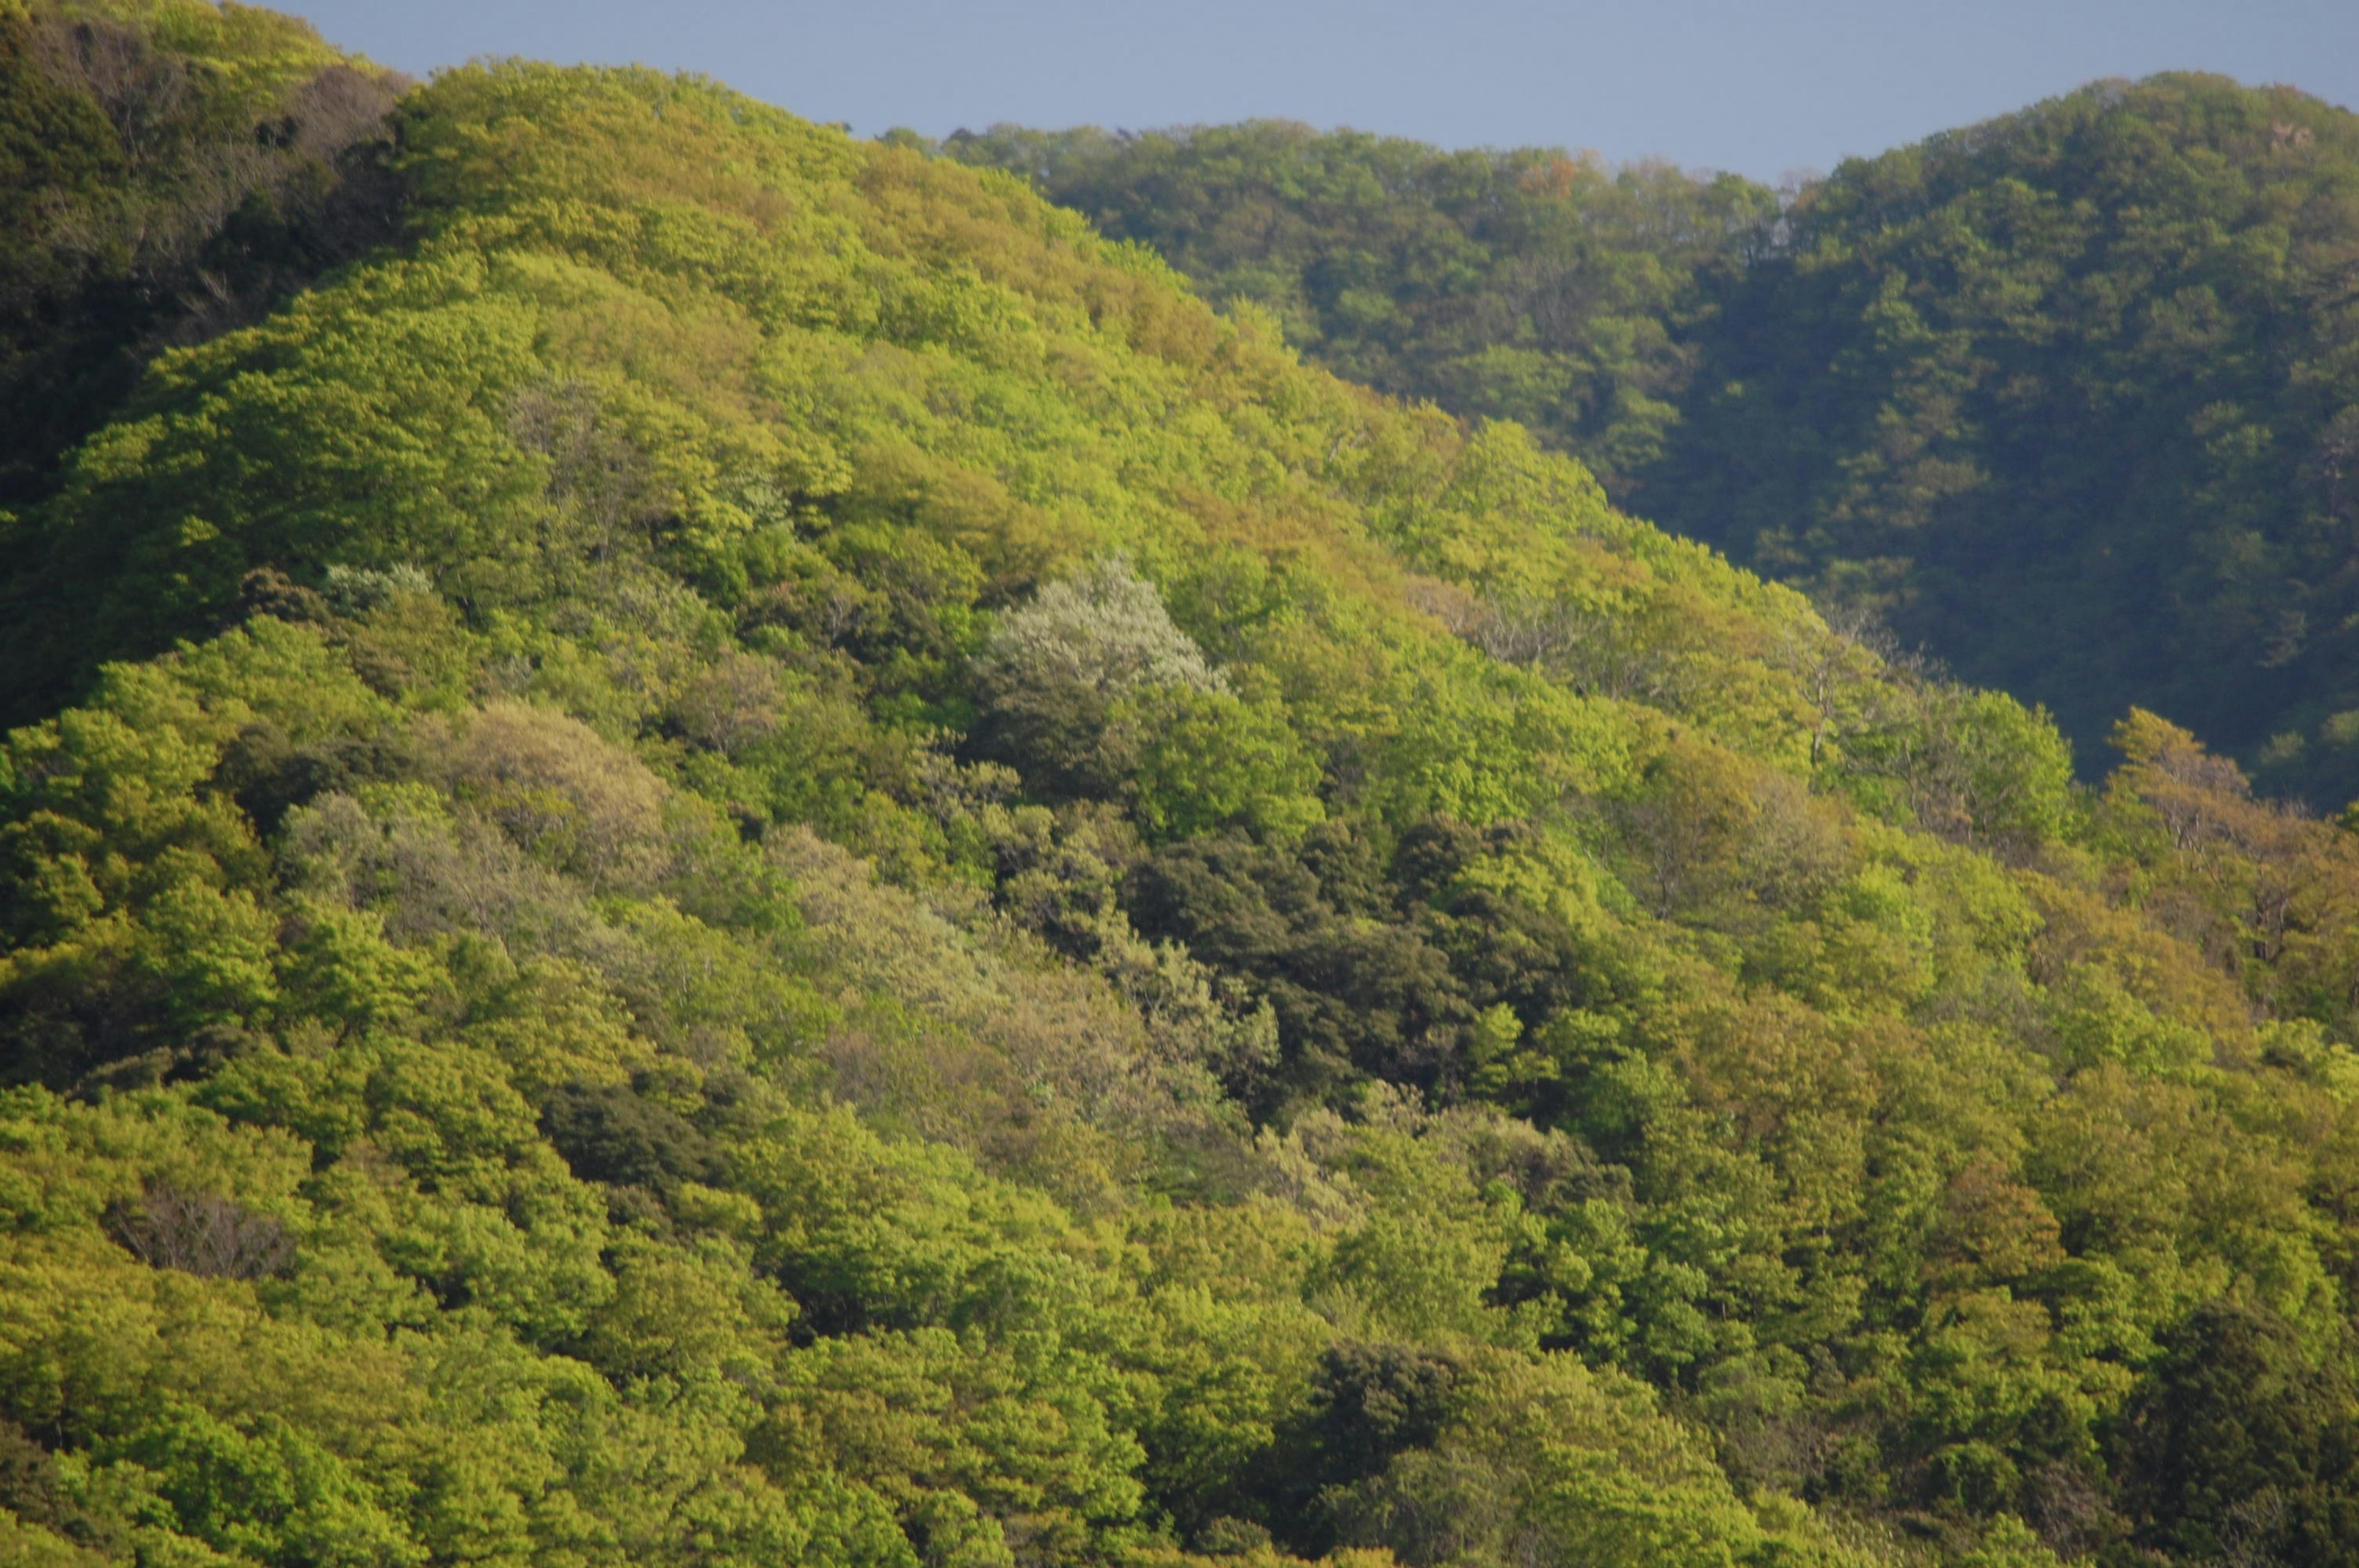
(2069, 398)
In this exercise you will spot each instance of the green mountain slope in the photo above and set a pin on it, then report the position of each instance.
(2075, 393)
(1525, 285)
(748, 853)
(2066, 398)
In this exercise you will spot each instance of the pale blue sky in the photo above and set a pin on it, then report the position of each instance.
(1761, 88)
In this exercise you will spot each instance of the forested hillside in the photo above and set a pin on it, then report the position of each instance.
(1527, 285)
(159, 185)
(743, 853)
(2074, 395)
(2071, 398)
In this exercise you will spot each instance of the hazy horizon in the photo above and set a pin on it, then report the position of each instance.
(1760, 89)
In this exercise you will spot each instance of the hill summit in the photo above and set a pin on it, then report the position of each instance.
(729, 847)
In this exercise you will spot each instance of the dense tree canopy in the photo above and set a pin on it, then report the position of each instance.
(2069, 398)
(1529, 285)
(167, 171)
(2073, 396)
(745, 852)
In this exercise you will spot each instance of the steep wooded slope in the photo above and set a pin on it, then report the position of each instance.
(2067, 399)
(823, 877)
(1525, 284)
(2074, 394)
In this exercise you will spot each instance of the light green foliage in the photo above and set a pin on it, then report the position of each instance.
(757, 856)
(1090, 688)
(1106, 632)
(1529, 285)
